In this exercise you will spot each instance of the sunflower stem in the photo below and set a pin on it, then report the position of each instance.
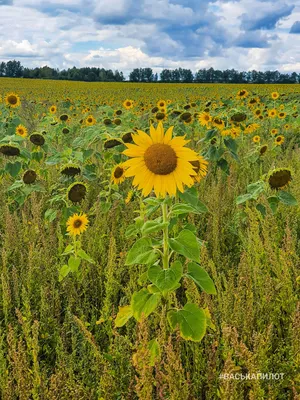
(165, 236)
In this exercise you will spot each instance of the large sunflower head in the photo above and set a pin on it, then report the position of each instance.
(9, 150)
(70, 169)
(12, 100)
(160, 162)
(279, 178)
(118, 174)
(21, 130)
(205, 118)
(37, 139)
(77, 224)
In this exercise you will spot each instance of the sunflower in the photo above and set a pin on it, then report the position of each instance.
(160, 162)
(65, 131)
(263, 149)
(76, 192)
(274, 131)
(256, 139)
(37, 139)
(77, 224)
(12, 100)
(200, 167)
(64, 117)
(275, 95)
(205, 119)
(235, 132)
(242, 94)
(218, 123)
(127, 137)
(21, 131)
(118, 174)
(70, 170)
(272, 113)
(161, 104)
(110, 143)
(9, 150)
(29, 176)
(129, 197)
(282, 115)
(90, 120)
(279, 140)
(128, 104)
(287, 126)
(279, 178)
(257, 112)
(53, 109)
(160, 116)
(251, 128)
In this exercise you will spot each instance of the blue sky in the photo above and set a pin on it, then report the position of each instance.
(123, 34)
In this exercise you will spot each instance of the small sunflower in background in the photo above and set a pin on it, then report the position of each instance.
(77, 224)
(205, 119)
(21, 130)
(275, 95)
(90, 120)
(128, 104)
(161, 104)
(274, 131)
(272, 113)
(53, 109)
(160, 162)
(242, 94)
(12, 100)
(282, 115)
(118, 174)
(279, 140)
(256, 139)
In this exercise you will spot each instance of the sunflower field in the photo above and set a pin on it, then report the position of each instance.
(150, 241)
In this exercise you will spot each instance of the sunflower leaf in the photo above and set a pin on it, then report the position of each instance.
(141, 253)
(201, 278)
(143, 303)
(124, 314)
(187, 245)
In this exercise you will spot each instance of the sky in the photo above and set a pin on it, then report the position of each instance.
(125, 34)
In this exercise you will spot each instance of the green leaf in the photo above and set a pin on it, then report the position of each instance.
(82, 254)
(124, 314)
(63, 272)
(165, 279)
(74, 263)
(256, 188)
(273, 203)
(68, 250)
(191, 321)
(223, 164)
(287, 198)
(262, 209)
(141, 253)
(131, 230)
(50, 214)
(152, 227)
(13, 168)
(144, 303)
(182, 208)
(190, 196)
(187, 245)
(155, 351)
(243, 198)
(231, 144)
(201, 278)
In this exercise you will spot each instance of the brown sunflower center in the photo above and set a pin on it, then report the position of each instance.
(12, 99)
(160, 159)
(77, 223)
(118, 172)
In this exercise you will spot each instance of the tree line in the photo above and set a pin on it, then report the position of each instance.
(14, 69)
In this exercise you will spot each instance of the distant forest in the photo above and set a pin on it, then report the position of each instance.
(14, 69)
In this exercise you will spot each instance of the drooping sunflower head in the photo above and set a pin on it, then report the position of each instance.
(279, 178)
(65, 130)
(127, 137)
(77, 192)
(238, 117)
(117, 121)
(64, 117)
(263, 149)
(77, 224)
(21, 130)
(110, 143)
(118, 174)
(9, 150)
(160, 162)
(70, 170)
(29, 176)
(37, 139)
(12, 100)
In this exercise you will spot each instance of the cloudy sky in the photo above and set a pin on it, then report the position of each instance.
(123, 34)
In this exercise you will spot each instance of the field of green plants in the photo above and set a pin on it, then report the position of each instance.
(150, 241)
